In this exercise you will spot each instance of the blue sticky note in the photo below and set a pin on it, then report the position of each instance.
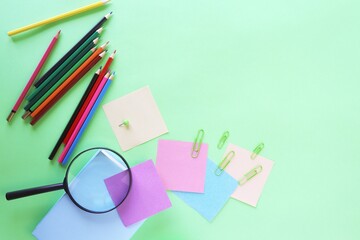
(66, 221)
(218, 190)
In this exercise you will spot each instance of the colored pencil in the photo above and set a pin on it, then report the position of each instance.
(66, 76)
(66, 65)
(75, 113)
(33, 77)
(90, 109)
(76, 46)
(101, 76)
(69, 79)
(58, 17)
(45, 88)
(36, 115)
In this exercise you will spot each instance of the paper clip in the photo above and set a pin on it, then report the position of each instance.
(257, 150)
(252, 173)
(227, 159)
(197, 144)
(223, 139)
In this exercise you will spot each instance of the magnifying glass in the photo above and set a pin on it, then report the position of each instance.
(84, 181)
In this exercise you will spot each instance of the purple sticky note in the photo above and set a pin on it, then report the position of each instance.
(147, 195)
(177, 169)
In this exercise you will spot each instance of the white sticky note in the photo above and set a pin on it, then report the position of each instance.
(145, 120)
(241, 164)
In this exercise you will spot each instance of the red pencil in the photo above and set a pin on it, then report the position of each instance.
(41, 113)
(82, 109)
(33, 77)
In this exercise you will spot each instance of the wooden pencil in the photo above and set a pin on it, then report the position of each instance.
(86, 115)
(101, 76)
(76, 46)
(33, 77)
(58, 17)
(66, 65)
(66, 76)
(75, 113)
(36, 115)
(53, 80)
(68, 80)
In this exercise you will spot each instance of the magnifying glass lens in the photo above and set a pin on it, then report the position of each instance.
(86, 175)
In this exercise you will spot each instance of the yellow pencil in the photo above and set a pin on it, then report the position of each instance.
(58, 17)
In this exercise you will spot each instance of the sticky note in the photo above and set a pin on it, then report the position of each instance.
(249, 192)
(218, 190)
(66, 221)
(145, 120)
(147, 194)
(177, 169)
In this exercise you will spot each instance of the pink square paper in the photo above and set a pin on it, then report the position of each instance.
(177, 169)
(241, 164)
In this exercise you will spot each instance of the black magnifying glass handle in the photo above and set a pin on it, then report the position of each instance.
(33, 191)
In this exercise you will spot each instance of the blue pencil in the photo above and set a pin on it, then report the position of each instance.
(87, 120)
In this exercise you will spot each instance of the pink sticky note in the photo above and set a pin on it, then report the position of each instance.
(177, 169)
(241, 164)
(147, 195)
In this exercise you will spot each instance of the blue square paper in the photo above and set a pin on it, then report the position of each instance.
(65, 221)
(218, 190)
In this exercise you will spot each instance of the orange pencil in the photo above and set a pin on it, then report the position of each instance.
(67, 82)
(36, 118)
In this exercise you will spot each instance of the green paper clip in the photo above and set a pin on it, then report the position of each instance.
(223, 139)
(125, 123)
(252, 173)
(227, 159)
(197, 144)
(257, 150)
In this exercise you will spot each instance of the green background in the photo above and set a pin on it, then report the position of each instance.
(282, 72)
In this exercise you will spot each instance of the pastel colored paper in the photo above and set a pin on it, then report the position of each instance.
(218, 190)
(177, 169)
(147, 195)
(249, 192)
(145, 120)
(66, 221)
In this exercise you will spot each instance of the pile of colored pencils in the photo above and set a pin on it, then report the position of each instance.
(61, 77)
(84, 111)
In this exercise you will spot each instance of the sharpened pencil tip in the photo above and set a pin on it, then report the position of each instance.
(58, 33)
(112, 76)
(102, 54)
(105, 44)
(113, 54)
(107, 16)
(100, 30)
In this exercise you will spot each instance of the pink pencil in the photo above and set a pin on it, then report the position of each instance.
(33, 77)
(83, 118)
